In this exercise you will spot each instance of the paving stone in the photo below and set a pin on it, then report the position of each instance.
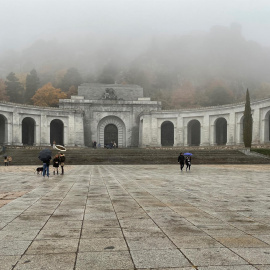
(213, 256)
(237, 267)
(159, 258)
(47, 262)
(102, 244)
(143, 243)
(13, 248)
(59, 233)
(104, 260)
(7, 262)
(254, 255)
(64, 224)
(53, 246)
(102, 232)
(241, 241)
(18, 235)
(195, 241)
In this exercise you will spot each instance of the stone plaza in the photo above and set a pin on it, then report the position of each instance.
(127, 217)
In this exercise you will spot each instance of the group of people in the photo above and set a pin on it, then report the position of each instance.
(7, 160)
(182, 160)
(110, 145)
(58, 160)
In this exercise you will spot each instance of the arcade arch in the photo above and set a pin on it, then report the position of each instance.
(28, 131)
(167, 133)
(57, 132)
(111, 128)
(194, 133)
(3, 129)
(221, 131)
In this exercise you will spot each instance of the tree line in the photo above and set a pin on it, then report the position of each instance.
(30, 89)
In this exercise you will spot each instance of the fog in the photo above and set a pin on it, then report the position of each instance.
(194, 40)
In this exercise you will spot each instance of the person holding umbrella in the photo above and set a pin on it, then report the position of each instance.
(45, 156)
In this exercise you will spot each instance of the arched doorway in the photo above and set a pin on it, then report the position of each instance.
(167, 134)
(28, 131)
(57, 132)
(105, 123)
(221, 131)
(3, 130)
(194, 133)
(110, 134)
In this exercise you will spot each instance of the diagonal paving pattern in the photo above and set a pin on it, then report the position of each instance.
(137, 217)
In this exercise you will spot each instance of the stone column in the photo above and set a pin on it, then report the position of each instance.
(17, 129)
(179, 132)
(205, 131)
(256, 126)
(231, 129)
(44, 131)
(37, 133)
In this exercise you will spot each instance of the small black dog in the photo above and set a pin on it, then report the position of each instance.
(39, 170)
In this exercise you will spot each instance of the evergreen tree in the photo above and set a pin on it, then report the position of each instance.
(32, 85)
(14, 88)
(247, 123)
(72, 77)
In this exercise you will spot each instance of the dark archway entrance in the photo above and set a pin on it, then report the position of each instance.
(221, 131)
(3, 122)
(167, 134)
(28, 131)
(110, 134)
(57, 132)
(194, 133)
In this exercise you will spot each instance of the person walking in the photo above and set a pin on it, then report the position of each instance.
(188, 163)
(9, 160)
(181, 161)
(56, 162)
(6, 160)
(46, 165)
(62, 162)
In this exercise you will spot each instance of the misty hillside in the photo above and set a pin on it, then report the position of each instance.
(157, 64)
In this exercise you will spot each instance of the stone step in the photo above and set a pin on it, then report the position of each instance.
(77, 156)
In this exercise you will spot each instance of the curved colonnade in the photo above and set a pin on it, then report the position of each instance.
(219, 125)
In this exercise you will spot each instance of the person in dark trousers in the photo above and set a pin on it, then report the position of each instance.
(46, 165)
(6, 160)
(181, 160)
(56, 162)
(62, 161)
(188, 163)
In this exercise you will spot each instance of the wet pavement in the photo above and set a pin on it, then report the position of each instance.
(136, 217)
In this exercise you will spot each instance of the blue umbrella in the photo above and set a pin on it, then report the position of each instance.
(187, 154)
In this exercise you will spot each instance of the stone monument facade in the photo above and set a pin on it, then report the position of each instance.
(121, 114)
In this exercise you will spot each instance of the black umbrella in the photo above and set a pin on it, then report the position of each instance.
(45, 155)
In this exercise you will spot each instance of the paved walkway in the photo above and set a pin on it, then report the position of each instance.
(136, 217)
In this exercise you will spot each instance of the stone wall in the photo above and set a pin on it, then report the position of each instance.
(93, 91)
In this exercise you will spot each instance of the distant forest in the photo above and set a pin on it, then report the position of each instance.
(199, 69)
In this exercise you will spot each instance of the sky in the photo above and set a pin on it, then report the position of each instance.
(24, 21)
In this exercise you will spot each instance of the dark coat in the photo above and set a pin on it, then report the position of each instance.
(181, 159)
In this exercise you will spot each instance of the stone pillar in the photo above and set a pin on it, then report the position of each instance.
(256, 126)
(155, 133)
(44, 131)
(179, 132)
(17, 129)
(205, 131)
(37, 133)
(231, 129)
